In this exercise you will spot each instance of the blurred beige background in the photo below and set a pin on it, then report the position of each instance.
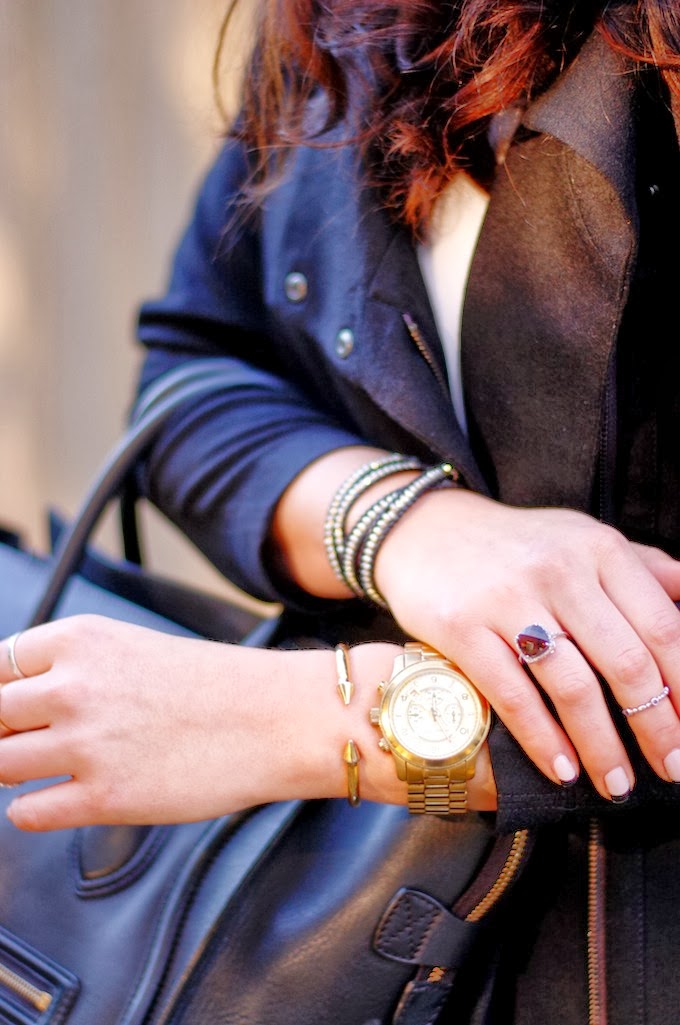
(107, 122)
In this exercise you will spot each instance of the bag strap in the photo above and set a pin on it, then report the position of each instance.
(178, 386)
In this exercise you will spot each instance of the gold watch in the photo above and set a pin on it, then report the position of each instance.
(433, 721)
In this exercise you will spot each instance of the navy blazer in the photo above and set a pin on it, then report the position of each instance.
(354, 343)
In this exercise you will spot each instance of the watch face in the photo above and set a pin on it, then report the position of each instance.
(434, 714)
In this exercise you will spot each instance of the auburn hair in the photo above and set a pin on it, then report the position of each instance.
(414, 83)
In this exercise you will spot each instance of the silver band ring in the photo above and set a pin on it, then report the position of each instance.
(652, 703)
(17, 671)
(534, 642)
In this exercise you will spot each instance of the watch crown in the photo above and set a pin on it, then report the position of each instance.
(383, 745)
(381, 686)
(374, 716)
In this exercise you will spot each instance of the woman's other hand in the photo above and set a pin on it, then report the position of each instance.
(126, 724)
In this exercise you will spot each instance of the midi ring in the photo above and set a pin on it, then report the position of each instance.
(17, 671)
(652, 703)
(534, 642)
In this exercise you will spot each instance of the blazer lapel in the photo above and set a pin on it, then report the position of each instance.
(548, 285)
(404, 370)
(590, 110)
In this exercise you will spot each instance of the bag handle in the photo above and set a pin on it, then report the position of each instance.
(174, 388)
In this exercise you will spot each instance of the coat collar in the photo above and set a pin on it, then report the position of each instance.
(549, 282)
(599, 83)
(597, 86)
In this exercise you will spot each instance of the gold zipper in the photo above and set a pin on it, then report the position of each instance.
(37, 998)
(504, 878)
(597, 989)
(495, 892)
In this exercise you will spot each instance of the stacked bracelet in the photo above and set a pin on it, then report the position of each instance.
(346, 495)
(387, 518)
(352, 554)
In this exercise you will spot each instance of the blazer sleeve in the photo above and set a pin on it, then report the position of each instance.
(252, 440)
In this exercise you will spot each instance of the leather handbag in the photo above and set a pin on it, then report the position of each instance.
(295, 913)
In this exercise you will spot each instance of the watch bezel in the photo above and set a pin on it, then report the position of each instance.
(406, 675)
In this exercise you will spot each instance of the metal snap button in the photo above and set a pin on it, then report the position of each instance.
(344, 342)
(295, 286)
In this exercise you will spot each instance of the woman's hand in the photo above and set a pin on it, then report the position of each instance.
(466, 575)
(146, 728)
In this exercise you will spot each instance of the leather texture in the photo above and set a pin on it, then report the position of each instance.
(260, 918)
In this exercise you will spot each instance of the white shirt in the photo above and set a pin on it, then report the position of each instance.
(445, 260)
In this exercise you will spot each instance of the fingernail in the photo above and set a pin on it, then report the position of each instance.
(672, 765)
(565, 770)
(617, 784)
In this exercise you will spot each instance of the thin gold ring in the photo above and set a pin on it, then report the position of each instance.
(4, 725)
(17, 671)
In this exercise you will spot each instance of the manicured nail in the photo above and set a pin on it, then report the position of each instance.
(617, 784)
(672, 765)
(565, 770)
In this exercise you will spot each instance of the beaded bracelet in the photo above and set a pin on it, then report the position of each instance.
(361, 480)
(352, 554)
(357, 536)
(388, 518)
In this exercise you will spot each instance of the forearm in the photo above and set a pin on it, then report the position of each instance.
(209, 728)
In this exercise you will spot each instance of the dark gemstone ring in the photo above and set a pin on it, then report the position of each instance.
(535, 642)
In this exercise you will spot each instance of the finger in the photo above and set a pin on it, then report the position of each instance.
(489, 662)
(63, 805)
(663, 568)
(24, 655)
(36, 755)
(5, 728)
(639, 659)
(24, 705)
(576, 693)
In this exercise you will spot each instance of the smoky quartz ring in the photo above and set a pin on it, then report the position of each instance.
(534, 642)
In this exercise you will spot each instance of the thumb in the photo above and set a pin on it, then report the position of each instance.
(60, 806)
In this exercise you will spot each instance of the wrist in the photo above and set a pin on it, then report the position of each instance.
(401, 549)
(311, 762)
(309, 752)
(352, 549)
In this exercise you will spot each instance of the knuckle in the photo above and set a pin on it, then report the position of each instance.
(663, 734)
(571, 689)
(59, 695)
(608, 542)
(665, 630)
(453, 618)
(631, 665)
(512, 701)
(81, 629)
(544, 562)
